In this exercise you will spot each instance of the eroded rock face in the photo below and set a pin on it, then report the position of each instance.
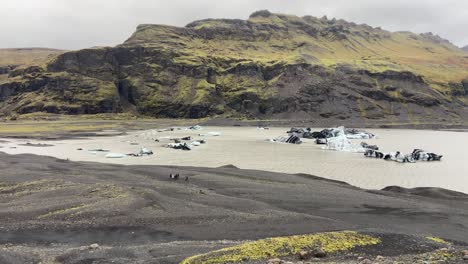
(7, 68)
(222, 67)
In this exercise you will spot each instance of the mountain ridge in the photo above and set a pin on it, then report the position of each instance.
(269, 66)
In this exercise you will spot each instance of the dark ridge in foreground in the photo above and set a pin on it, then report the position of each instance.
(229, 166)
(136, 212)
(431, 192)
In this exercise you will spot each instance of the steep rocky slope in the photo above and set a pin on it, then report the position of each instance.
(269, 66)
(465, 48)
(22, 58)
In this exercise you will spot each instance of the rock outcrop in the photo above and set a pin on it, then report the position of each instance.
(269, 66)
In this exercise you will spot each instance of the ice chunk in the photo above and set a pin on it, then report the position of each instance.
(115, 155)
(341, 143)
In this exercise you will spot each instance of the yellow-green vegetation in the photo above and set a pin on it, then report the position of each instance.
(241, 68)
(438, 240)
(185, 87)
(36, 128)
(329, 242)
(63, 211)
(30, 187)
(36, 116)
(443, 255)
(44, 124)
(27, 56)
(315, 41)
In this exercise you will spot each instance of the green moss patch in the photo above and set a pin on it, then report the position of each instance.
(329, 242)
(438, 240)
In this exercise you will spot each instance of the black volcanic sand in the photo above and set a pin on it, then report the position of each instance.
(51, 208)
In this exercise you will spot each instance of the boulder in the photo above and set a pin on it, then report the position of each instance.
(319, 253)
(380, 258)
(94, 246)
(304, 254)
(275, 261)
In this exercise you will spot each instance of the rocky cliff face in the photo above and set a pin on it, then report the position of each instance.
(465, 48)
(269, 66)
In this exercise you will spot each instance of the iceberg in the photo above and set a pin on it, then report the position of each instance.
(340, 142)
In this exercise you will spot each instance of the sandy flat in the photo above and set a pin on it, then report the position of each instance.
(247, 148)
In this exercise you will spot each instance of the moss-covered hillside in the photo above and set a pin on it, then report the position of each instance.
(27, 56)
(269, 66)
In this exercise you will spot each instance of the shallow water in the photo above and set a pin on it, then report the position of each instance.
(247, 148)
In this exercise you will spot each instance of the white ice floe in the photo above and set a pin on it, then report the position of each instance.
(115, 155)
(145, 151)
(360, 136)
(340, 142)
(195, 143)
(212, 134)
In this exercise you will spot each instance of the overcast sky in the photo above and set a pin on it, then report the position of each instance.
(75, 24)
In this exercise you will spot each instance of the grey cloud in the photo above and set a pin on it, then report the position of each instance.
(71, 24)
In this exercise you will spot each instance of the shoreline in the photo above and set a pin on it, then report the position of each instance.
(423, 191)
(63, 128)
